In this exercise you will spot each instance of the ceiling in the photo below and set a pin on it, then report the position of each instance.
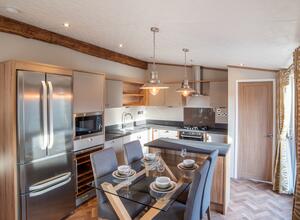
(257, 33)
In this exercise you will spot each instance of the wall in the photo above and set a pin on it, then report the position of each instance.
(113, 116)
(16, 47)
(234, 75)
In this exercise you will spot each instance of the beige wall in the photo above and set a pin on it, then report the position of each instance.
(235, 75)
(16, 47)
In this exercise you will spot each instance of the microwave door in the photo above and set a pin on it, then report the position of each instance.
(32, 116)
(60, 114)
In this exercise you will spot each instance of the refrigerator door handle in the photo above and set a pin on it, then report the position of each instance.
(50, 115)
(45, 120)
(38, 193)
(49, 182)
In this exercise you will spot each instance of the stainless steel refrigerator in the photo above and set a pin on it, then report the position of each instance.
(45, 146)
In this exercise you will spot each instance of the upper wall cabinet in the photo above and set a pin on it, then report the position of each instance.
(88, 90)
(218, 92)
(167, 97)
(113, 93)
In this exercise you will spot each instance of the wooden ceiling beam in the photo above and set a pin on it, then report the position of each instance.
(12, 26)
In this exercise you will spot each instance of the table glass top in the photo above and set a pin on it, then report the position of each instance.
(142, 182)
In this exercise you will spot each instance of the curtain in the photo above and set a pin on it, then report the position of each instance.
(285, 158)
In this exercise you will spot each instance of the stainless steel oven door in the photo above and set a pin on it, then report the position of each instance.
(88, 124)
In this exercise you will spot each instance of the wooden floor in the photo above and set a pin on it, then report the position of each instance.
(249, 200)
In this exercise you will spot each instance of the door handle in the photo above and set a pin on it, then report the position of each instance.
(49, 182)
(45, 120)
(38, 193)
(50, 115)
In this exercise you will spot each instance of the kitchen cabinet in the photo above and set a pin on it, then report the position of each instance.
(88, 90)
(218, 93)
(161, 133)
(113, 93)
(217, 138)
(167, 97)
(117, 145)
(173, 98)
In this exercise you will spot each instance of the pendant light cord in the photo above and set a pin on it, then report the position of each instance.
(185, 73)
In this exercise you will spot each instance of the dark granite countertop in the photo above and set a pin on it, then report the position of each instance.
(190, 145)
(118, 132)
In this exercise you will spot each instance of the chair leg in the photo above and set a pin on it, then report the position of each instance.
(208, 213)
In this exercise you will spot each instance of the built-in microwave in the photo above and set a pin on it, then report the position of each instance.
(88, 124)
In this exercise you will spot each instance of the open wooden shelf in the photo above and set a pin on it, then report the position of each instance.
(133, 95)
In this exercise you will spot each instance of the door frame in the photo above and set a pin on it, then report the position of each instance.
(237, 122)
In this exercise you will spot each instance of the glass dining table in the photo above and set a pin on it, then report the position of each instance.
(142, 180)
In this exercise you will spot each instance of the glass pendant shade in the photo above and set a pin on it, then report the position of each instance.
(154, 85)
(185, 88)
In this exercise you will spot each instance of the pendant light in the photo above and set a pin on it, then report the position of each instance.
(154, 84)
(185, 89)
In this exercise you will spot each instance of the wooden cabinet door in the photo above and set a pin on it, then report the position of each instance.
(88, 90)
(218, 93)
(157, 100)
(173, 98)
(113, 93)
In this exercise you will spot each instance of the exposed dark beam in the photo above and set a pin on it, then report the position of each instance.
(11, 26)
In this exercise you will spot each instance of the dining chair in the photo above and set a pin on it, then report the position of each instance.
(193, 206)
(104, 162)
(212, 158)
(133, 151)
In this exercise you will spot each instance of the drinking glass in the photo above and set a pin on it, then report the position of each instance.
(160, 168)
(183, 153)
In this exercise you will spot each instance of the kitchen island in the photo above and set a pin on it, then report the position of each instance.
(220, 195)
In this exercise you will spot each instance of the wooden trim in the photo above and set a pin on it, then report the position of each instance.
(8, 143)
(40, 67)
(115, 201)
(253, 68)
(11, 26)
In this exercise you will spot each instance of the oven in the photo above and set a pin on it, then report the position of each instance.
(192, 135)
(88, 125)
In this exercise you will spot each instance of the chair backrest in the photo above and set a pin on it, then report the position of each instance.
(193, 204)
(103, 162)
(208, 182)
(133, 151)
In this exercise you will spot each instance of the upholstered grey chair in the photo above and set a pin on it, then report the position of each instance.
(133, 151)
(193, 206)
(104, 162)
(212, 158)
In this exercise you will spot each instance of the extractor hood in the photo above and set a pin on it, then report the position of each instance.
(198, 99)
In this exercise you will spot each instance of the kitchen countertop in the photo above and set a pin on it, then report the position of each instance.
(118, 133)
(190, 145)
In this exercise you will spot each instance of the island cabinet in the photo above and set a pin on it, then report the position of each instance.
(220, 192)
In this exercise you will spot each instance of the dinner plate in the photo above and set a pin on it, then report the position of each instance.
(154, 188)
(117, 175)
(182, 167)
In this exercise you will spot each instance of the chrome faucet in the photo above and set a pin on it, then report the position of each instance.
(124, 115)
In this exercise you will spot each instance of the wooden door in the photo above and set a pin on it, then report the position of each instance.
(255, 127)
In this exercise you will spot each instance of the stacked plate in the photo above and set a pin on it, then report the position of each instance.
(123, 175)
(182, 166)
(162, 185)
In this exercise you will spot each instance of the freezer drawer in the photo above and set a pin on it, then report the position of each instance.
(34, 174)
(52, 203)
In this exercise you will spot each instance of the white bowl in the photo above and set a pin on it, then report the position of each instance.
(149, 156)
(162, 182)
(188, 163)
(123, 169)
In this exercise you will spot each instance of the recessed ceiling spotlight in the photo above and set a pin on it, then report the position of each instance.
(120, 45)
(12, 10)
(66, 25)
